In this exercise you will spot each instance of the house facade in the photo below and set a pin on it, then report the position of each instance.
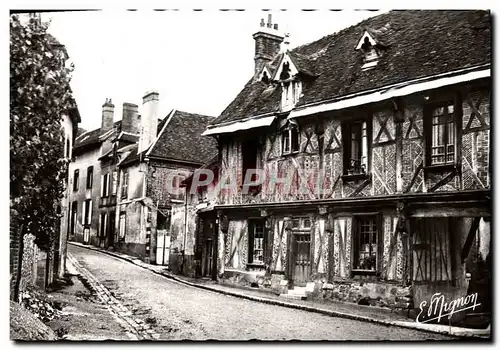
(370, 151)
(151, 216)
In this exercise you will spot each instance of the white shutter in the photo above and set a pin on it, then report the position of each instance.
(115, 182)
(83, 214)
(90, 212)
(102, 185)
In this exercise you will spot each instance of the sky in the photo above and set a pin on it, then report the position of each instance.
(198, 61)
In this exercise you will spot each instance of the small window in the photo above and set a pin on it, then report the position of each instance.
(442, 145)
(290, 141)
(366, 243)
(355, 148)
(105, 185)
(90, 177)
(125, 184)
(76, 175)
(257, 231)
(68, 148)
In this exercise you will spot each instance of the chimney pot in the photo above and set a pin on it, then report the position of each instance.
(276, 26)
(269, 21)
(262, 23)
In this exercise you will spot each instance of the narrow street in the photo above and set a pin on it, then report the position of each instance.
(173, 311)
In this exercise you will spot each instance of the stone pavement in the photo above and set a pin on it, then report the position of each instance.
(137, 329)
(336, 309)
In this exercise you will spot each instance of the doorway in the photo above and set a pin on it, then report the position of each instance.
(301, 258)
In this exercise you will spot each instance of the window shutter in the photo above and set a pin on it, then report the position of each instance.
(115, 182)
(90, 212)
(102, 185)
(250, 242)
(84, 210)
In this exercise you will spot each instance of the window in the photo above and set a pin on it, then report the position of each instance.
(257, 231)
(355, 148)
(290, 141)
(103, 226)
(442, 143)
(249, 153)
(114, 186)
(90, 177)
(366, 243)
(105, 185)
(290, 94)
(125, 184)
(87, 212)
(123, 223)
(301, 224)
(76, 175)
(68, 148)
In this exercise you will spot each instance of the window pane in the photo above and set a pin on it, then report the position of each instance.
(367, 244)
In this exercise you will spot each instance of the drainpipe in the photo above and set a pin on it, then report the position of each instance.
(185, 230)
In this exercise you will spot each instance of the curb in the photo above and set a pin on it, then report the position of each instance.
(400, 324)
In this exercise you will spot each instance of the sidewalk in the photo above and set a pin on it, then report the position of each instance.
(335, 309)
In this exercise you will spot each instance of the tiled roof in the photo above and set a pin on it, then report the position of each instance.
(181, 140)
(417, 43)
(92, 137)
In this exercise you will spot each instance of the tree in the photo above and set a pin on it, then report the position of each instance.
(40, 95)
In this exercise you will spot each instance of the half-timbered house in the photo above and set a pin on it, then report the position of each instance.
(373, 152)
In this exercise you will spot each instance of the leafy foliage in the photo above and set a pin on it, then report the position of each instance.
(40, 95)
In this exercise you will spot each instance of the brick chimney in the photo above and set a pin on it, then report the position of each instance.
(149, 119)
(267, 44)
(108, 109)
(130, 118)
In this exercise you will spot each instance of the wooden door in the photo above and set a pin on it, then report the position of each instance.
(207, 258)
(301, 258)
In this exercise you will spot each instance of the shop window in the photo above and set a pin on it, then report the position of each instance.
(366, 243)
(257, 241)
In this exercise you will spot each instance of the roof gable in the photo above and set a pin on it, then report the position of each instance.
(181, 139)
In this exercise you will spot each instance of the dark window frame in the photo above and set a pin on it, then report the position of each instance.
(87, 220)
(76, 179)
(350, 165)
(90, 177)
(105, 185)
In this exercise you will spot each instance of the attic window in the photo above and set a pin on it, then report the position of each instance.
(285, 72)
(369, 48)
(265, 77)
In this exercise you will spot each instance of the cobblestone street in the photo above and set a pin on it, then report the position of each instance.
(154, 307)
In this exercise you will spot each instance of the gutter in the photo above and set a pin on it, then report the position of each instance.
(394, 90)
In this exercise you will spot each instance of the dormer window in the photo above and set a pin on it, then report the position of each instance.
(370, 49)
(290, 94)
(285, 72)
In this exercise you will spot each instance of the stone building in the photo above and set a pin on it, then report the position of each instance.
(122, 175)
(374, 148)
(150, 212)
